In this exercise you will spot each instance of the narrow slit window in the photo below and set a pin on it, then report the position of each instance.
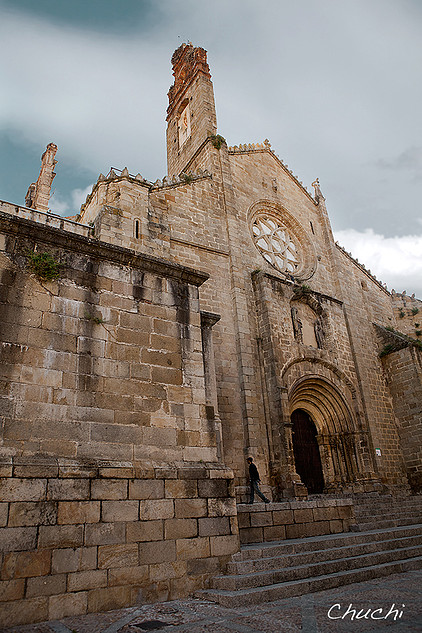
(137, 229)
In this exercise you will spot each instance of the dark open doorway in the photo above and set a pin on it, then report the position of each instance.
(306, 452)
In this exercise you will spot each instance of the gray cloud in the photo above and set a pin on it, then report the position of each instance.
(331, 84)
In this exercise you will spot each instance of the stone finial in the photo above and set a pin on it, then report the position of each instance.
(125, 172)
(267, 144)
(318, 194)
(38, 194)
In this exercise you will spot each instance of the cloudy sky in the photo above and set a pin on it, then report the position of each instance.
(335, 85)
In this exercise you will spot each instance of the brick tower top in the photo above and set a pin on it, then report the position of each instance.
(187, 62)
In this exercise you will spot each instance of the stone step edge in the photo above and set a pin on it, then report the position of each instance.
(399, 541)
(312, 566)
(328, 539)
(368, 526)
(239, 593)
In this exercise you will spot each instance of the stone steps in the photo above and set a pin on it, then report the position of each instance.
(307, 558)
(270, 571)
(379, 512)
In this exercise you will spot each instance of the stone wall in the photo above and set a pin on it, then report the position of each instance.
(403, 370)
(81, 538)
(260, 523)
(112, 487)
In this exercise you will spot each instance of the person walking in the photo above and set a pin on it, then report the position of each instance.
(254, 479)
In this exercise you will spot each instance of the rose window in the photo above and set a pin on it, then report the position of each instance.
(276, 243)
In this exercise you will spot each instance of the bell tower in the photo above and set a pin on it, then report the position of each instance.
(191, 114)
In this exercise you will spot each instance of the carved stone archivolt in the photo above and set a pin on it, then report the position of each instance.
(340, 434)
(281, 240)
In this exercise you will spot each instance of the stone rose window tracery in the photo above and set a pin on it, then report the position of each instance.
(276, 243)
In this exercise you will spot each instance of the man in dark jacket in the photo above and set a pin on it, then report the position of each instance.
(254, 479)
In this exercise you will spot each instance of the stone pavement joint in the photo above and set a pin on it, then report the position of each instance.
(58, 627)
(299, 614)
(309, 623)
(116, 626)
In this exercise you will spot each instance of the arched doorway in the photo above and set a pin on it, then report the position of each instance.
(306, 451)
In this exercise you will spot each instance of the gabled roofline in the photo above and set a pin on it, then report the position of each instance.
(252, 148)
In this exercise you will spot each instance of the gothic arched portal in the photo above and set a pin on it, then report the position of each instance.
(306, 451)
(322, 415)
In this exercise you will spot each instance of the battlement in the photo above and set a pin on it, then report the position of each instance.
(363, 268)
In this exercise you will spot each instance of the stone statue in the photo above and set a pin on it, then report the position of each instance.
(319, 332)
(297, 325)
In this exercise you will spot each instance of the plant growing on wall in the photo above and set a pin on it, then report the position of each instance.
(44, 266)
(217, 140)
(95, 319)
(301, 290)
(187, 178)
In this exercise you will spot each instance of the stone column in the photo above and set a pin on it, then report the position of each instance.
(208, 320)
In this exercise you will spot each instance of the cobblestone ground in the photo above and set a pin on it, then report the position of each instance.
(308, 614)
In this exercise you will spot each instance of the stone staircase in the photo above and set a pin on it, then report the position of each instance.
(268, 571)
(383, 511)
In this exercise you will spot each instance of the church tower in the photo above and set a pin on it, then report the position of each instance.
(191, 114)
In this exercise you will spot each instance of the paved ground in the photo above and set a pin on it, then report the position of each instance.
(307, 614)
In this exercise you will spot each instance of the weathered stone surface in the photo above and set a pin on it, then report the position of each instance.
(156, 509)
(46, 585)
(117, 556)
(83, 580)
(78, 512)
(188, 548)
(68, 604)
(12, 589)
(181, 489)
(145, 531)
(133, 576)
(187, 508)
(66, 489)
(109, 489)
(150, 553)
(22, 489)
(108, 598)
(120, 511)
(23, 611)
(146, 489)
(180, 528)
(60, 536)
(104, 533)
(214, 526)
(224, 545)
(32, 513)
(4, 508)
(25, 564)
(15, 539)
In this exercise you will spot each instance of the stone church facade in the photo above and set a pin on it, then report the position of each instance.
(153, 342)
